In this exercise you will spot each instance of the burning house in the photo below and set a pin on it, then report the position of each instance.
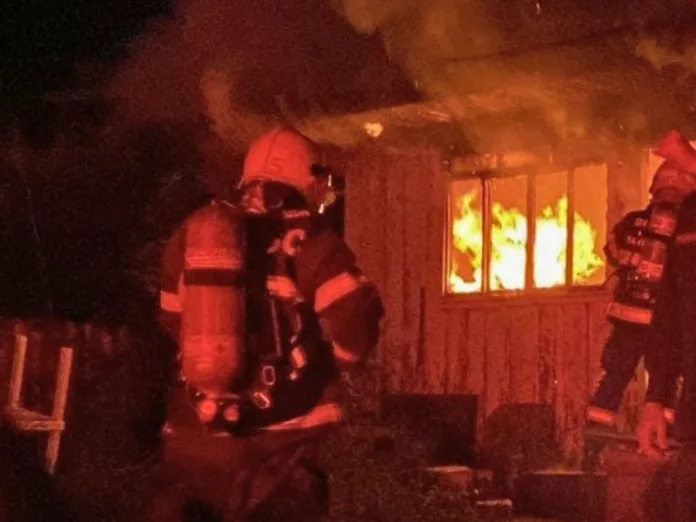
(482, 216)
(494, 277)
(488, 150)
(481, 185)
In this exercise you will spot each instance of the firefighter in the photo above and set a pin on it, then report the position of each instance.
(636, 249)
(310, 316)
(671, 356)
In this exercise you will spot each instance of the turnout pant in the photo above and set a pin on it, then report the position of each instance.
(270, 475)
(622, 352)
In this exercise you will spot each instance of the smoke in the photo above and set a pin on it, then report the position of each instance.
(425, 37)
(451, 50)
(228, 122)
(661, 55)
(522, 61)
(231, 61)
(672, 57)
(243, 66)
(184, 68)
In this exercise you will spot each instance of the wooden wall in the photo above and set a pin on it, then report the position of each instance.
(516, 349)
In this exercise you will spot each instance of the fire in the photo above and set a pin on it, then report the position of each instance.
(508, 254)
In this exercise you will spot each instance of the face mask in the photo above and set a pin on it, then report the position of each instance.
(264, 197)
(252, 200)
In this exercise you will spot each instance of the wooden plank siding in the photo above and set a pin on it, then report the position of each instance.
(517, 349)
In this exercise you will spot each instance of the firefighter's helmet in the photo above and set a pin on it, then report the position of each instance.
(672, 183)
(282, 156)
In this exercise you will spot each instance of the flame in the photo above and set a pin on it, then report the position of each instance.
(508, 255)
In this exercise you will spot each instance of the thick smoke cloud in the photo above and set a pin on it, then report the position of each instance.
(530, 60)
(455, 50)
(245, 65)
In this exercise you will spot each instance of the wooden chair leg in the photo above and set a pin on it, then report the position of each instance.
(17, 375)
(60, 400)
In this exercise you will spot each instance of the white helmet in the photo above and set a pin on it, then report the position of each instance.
(282, 155)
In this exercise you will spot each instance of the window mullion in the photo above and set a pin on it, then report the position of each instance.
(448, 242)
(487, 218)
(570, 224)
(531, 231)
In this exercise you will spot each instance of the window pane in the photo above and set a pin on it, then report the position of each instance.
(508, 233)
(466, 250)
(590, 225)
(551, 230)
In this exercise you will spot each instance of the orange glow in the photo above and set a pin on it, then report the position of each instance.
(508, 254)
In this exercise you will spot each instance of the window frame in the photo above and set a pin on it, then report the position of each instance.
(531, 174)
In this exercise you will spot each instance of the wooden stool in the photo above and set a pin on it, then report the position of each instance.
(31, 421)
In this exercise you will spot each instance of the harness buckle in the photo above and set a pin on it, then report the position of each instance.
(268, 375)
(261, 399)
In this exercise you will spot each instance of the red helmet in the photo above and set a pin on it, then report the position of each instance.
(671, 183)
(676, 149)
(282, 155)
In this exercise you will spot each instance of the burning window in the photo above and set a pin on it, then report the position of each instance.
(530, 231)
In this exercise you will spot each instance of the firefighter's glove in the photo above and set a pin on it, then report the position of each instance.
(283, 287)
(652, 432)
